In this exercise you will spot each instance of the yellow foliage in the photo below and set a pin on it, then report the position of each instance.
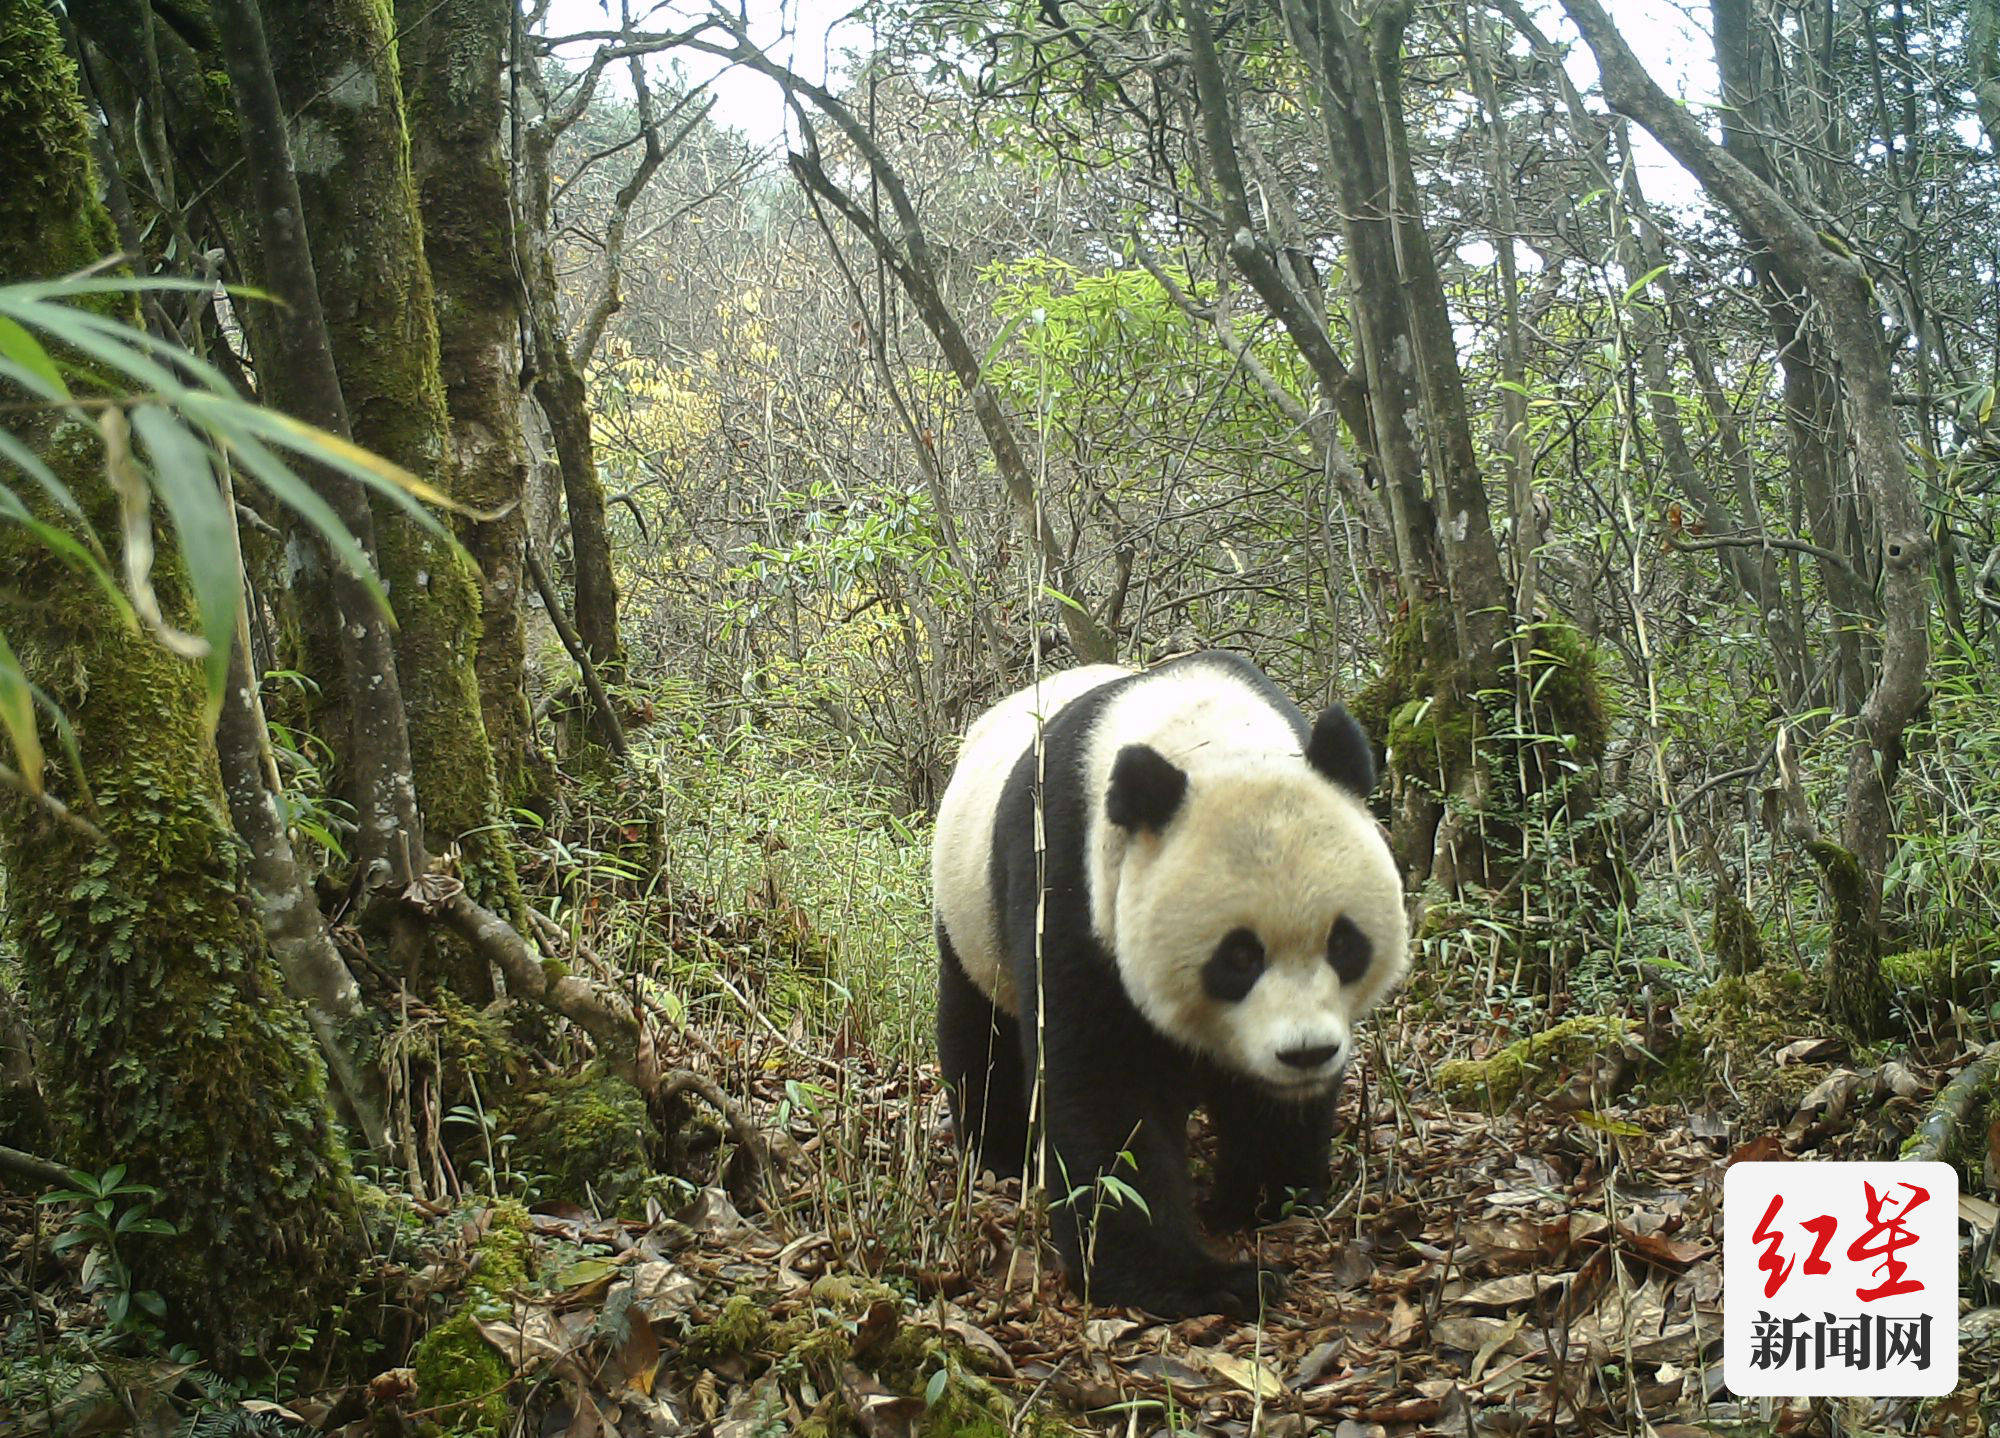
(657, 408)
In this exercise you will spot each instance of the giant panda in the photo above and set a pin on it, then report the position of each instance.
(1161, 890)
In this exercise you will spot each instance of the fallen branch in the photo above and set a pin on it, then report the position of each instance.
(37, 1171)
(675, 1083)
(670, 1084)
(1954, 1107)
(600, 1012)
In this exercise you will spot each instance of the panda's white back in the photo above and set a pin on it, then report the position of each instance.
(962, 843)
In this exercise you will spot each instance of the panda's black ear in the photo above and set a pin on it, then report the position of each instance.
(1339, 749)
(1145, 789)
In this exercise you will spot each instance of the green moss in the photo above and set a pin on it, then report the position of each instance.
(500, 1264)
(336, 65)
(1566, 681)
(168, 1043)
(817, 1344)
(847, 1294)
(1534, 1065)
(589, 1132)
(961, 1413)
(462, 1380)
(52, 222)
(1733, 934)
(460, 1376)
(1856, 997)
(741, 1330)
(1727, 1033)
(1950, 972)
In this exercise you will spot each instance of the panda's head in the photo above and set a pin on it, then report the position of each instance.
(1256, 913)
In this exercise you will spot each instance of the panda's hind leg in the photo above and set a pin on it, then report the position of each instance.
(1267, 1150)
(979, 1051)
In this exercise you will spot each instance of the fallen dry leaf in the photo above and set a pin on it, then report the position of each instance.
(1247, 1374)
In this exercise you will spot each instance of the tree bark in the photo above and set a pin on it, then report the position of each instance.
(297, 933)
(361, 218)
(454, 58)
(168, 1043)
(300, 378)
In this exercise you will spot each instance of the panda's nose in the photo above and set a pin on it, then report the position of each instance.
(1310, 1058)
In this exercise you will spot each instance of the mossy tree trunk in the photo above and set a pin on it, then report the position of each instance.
(168, 1044)
(454, 59)
(336, 65)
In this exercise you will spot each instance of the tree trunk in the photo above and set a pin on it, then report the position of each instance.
(559, 390)
(454, 58)
(361, 218)
(168, 1043)
(1853, 331)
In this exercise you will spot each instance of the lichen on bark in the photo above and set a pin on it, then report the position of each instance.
(453, 58)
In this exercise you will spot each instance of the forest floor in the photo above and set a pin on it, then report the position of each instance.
(1535, 1271)
(1551, 1266)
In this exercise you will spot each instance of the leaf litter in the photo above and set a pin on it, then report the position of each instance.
(1494, 1274)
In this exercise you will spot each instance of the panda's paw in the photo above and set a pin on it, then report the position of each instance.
(1237, 1290)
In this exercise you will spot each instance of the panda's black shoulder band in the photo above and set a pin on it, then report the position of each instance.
(1145, 789)
(1339, 749)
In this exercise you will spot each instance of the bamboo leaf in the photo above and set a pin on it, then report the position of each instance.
(288, 489)
(23, 360)
(308, 442)
(1644, 280)
(17, 717)
(116, 350)
(185, 481)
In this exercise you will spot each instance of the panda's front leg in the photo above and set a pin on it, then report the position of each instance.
(1121, 1203)
(1267, 1149)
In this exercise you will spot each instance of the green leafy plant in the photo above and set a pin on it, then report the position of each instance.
(109, 1213)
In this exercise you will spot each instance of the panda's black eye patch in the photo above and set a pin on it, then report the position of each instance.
(1233, 969)
(1348, 950)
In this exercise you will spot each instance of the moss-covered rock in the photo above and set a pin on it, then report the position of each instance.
(1533, 1066)
(1951, 972)
(589, 1132)
(1727, 1033)
(462, 1380)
